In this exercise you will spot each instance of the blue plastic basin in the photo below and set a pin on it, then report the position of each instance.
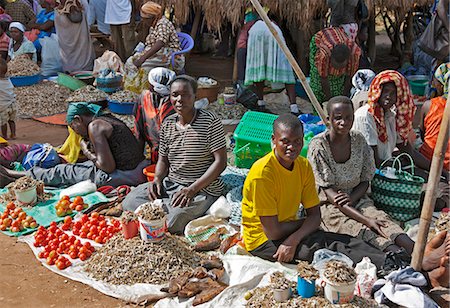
(22, 81)
(121, 107)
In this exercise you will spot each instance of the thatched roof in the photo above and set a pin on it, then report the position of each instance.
(296, 12)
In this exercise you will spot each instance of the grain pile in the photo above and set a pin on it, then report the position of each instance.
(122, 261)
(339, 272)
(88, 94)
(42, 99)
(124, 97)
(263, 297)
(22, 66)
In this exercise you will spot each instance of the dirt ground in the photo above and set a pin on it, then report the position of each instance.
(23, 281)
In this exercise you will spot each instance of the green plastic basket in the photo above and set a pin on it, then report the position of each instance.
(418, 84)
(70, 82)
(253, 136)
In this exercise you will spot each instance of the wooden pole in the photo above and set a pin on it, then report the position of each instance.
(298, 71)
(430, 193)
(196, 23)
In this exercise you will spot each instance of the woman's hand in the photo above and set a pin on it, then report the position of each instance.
(376, 225)
(155, 190)
(183, 197)
(342, 199)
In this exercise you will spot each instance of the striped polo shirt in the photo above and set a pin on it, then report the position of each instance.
(189, 149)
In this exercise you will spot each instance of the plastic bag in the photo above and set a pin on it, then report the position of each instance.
(109, 60)
(51, 58)
(79, 189)
(246, 97)
(220, 209)
(367, 275)
(322, 256)
(41, 155)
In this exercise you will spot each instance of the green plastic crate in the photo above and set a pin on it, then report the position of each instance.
(253, 136)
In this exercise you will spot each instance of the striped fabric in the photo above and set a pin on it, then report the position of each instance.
(189, 150)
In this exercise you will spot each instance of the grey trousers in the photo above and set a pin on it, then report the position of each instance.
(70, 174)
(352, 247)
(177, 217)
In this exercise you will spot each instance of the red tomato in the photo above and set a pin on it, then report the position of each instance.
(93, 221)
(87, 245)
(82, 256)
(73, 255)
(50, 261)
(58, 232)
(46, 254)
(65, 227)
(102, 224)
(76, 232)
(65, 198)
(15, 224)
(77, 243)
(22, 215)
(4, 216)
(60, 265)
(17, 210)
(53, 223)
(79, 208)
(93, 230)
(78, 200)
(83, 235)
(35, 244)
(72, 239)
(78, 224)
(99, 239)
(41, 255)
(84, 218)
(11, 206)
(60, 251)
(64, 237)
(95, 214)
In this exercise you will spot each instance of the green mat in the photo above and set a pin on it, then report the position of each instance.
(44, 212)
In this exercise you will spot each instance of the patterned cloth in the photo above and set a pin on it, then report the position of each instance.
(20, 11)
(25, 48)
(351, 30)
(360, 167)
(265, 59)
(165, 32)
(405, 108)
(13, 152)
(443, 75)
(8, 114)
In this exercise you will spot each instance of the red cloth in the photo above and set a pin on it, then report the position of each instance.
(325, 41)
(243, 35)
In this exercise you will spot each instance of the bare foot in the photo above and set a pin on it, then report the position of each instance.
(440, 277)
(12, 137)
(434, 251)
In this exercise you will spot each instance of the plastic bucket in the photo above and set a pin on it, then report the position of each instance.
(130, 229)
(305, 288)
(338, 294)
(149, 172)
(282, 295)
(26, 197)
(229, 99)
(153, 231)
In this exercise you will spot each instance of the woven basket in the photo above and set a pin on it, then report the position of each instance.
(208, 92)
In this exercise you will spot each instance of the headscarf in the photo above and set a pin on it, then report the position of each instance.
(80, 109)
(160, 78)
(362, 79)
(405, 108)
(442, 74)
(3, 141)
(17, 25)
(150, 9)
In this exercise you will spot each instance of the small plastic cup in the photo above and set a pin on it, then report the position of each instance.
(130, 229)
(282, 295)
(306, 288)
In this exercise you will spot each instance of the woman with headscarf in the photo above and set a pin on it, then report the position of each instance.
(76, 49)
(160, 43)
(153, 108)
(432, 112)
(20, 11)
(44, 22)
(361, 83)
(113, 153)
(19, 44)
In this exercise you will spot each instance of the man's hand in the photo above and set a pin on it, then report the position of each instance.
(155, 190)
(183, 197)
(375, 225)
(285, 252)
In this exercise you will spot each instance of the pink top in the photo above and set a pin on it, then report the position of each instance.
(12, 152)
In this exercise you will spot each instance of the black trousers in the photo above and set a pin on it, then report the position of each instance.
(352, 247)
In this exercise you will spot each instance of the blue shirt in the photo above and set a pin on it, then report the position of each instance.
(42, 18)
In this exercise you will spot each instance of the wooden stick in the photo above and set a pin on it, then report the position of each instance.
(298, 71)
(430, 193)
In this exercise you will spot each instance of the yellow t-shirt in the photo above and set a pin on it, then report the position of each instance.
(269, 190)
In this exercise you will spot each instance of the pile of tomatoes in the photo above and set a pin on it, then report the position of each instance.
(93, 227)
(15, 219)
(64, 207)
(56, 243)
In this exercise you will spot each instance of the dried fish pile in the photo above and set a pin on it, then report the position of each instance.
(124, 97)
(228, 112)
(151, 211)
(22, 66)
(87, 94)
(128, 216)
(278, 281)
(127, 262)
(42, 99)
(307, 271)
(263, 297)
(339, 272)
(443, 222)
(24, 183)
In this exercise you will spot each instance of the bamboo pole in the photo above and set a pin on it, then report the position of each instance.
(298, 71)
(430, 193)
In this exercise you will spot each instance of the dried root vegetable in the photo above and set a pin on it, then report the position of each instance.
(339, 272)
(42, 99)
(24, 183)
(279, 282)
(307, 271)
(226, 112)
(122, 261)
(22, 66)
(128, 216)
(124, 97)
(151, 211)
(443, 222)
(87, 94)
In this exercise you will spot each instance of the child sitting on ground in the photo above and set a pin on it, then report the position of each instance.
(12, 153)
(8, 108)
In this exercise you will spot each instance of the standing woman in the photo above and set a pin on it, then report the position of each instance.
(19, 44)
(76, 49)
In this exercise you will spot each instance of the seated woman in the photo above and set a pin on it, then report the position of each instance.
(113, 154)
(161, 42)
(153, 108)
(343, 166)
(19, 44)
(432, 113)
(386, 124)
(192, 155)
(45, 21)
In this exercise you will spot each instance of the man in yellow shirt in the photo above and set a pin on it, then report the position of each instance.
(274, 189)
